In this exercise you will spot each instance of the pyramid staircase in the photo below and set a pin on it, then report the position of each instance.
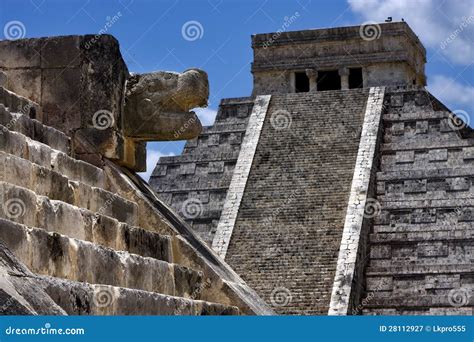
(93, 242)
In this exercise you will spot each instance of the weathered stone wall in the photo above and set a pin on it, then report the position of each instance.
(195, 183)
(421, 244)
(66, 221)
(59, 73)
(389, 53)
(288, 231)
(79, 82)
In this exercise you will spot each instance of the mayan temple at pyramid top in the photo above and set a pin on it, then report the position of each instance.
(388, 54)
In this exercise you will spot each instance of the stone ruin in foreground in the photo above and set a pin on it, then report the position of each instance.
(80, 232)
(340, 186)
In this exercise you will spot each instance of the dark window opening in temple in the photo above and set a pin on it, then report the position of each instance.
(355, 78)
(301, 82)
(329, 80)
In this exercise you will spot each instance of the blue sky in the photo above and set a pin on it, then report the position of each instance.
(151, 37)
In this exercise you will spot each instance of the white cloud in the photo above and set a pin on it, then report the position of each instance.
(451, 92)
(152, 157)
(448, 24)
(206, 115)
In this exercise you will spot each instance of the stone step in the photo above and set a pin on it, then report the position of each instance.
(422, 284)
(390, 196)
(431, 204)
(49, 183)
(405, 161)
(202, 157)
(464, 311)
(419, 115)
(18, 104)
(25, 206)
(428, 173)
(192, 172)
(78, 298)
(431, 140)
(35, 130)
(95, 200)
(77, 170)
(408, 145)
(413, 270)
(415, 237)
(169, 186)
(168, 189)
(420, 254)
(59, 256)
(411, 300)
(219, 127)
(419, 228)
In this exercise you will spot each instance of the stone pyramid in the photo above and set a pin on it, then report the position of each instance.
(341, 186)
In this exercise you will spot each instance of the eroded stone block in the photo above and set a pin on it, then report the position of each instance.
(187, 169)
(396, 100)
(468, 153)
(403, 157)
(398, 128)
(414, 186)
(421, 127)
(213, 140)
(216, 167)
(375, 284)
(432, 249)
(381, 252)
(423, 216)
(458, 184)
(438, 155)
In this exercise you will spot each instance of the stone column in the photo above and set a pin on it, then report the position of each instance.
(344, 73)
(365, 78)
(313, 77)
